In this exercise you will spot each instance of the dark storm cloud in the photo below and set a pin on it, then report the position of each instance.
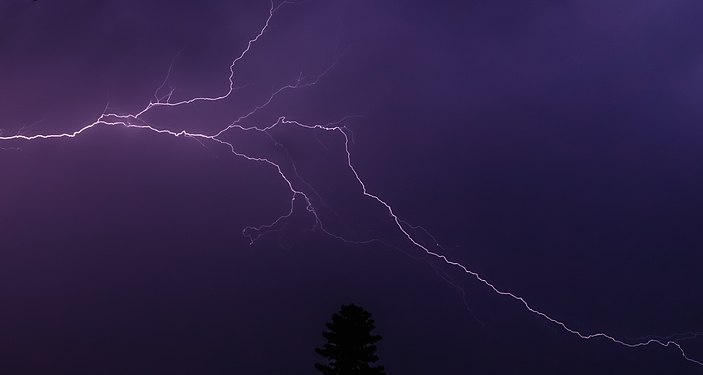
(555, 143)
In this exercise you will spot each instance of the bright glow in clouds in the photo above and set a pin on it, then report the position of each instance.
(252, 233)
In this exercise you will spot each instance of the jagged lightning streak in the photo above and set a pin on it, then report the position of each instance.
(253, 233)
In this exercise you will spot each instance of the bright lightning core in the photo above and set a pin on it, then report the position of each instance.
(299, 189)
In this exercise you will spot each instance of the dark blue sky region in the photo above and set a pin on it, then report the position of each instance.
(552, 147)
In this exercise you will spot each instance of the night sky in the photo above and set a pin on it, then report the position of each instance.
(554, 147)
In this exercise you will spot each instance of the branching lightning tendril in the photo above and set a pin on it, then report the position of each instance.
(253, 233)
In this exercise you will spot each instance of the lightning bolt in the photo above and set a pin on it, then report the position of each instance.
(136, 122)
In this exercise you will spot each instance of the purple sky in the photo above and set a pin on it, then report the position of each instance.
(553, 147)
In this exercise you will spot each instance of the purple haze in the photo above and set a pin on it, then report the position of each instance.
(551, 147)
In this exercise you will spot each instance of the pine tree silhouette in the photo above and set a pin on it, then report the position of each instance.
(350, 347)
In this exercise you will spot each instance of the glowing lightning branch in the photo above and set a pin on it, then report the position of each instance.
(253, 233)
